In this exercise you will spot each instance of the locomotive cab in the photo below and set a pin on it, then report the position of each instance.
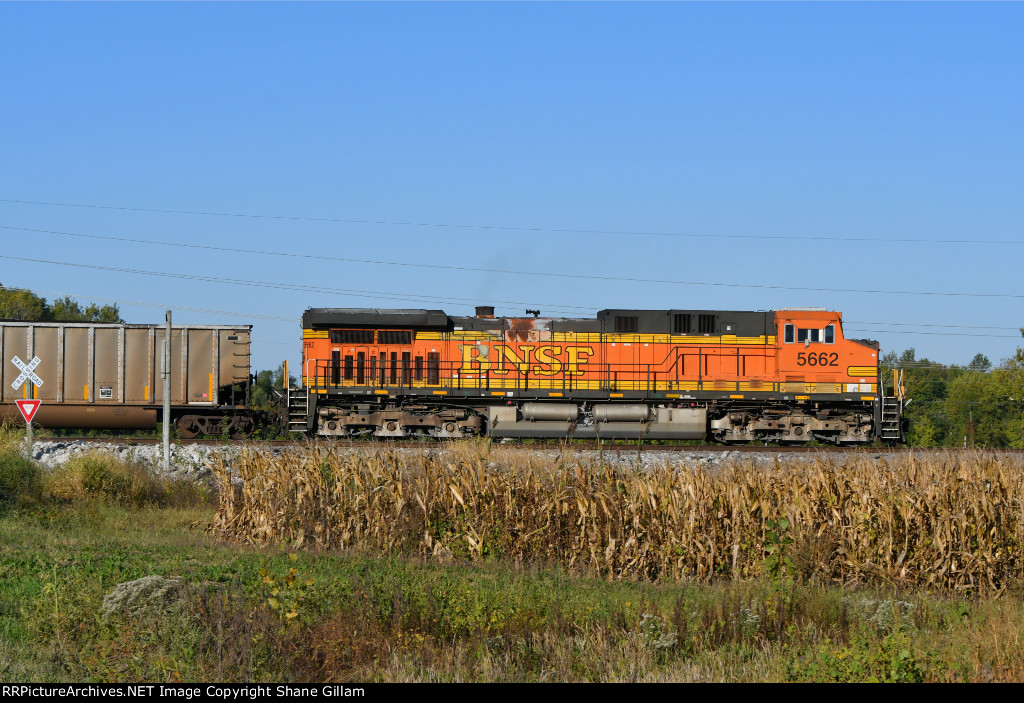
(827, 387)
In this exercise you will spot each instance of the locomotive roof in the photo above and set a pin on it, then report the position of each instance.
(675, 321)
(373, 317)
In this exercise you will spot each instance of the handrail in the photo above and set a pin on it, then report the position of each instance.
(612, 377)
(395, 376)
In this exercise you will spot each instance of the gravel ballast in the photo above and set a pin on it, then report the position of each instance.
(186, 460)
(190, 460)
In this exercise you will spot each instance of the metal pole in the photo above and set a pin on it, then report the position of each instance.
(28, 425)
(166, 373)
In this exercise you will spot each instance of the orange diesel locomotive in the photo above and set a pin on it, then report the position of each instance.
(788, 376)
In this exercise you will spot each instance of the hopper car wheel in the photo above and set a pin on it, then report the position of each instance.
(241, 427)
(188, 427)
(241, 431)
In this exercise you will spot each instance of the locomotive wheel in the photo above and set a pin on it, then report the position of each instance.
(188, 426)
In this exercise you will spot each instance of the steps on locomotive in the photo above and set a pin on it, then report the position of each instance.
(891, 418)
(298, 410)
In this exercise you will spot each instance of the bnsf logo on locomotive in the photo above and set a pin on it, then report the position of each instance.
(542, 360)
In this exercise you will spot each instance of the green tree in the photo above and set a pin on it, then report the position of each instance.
(68, 310)
(979, 410)
(268, 381)
(926, 383)
(973, 404)
(23, 305)
(980, 362)
(1008, 386)
(266, 399)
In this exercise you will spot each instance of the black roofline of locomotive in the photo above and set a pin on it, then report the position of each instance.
(373, 317)
(737, 322)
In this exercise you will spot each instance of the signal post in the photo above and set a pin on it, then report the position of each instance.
(28, 406)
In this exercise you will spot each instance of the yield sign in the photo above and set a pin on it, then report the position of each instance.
(27, 372)
(28, 409)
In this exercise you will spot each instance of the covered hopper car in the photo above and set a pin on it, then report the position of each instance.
(97, 375)
(788, 376)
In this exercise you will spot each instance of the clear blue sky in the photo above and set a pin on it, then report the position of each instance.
(840, 128)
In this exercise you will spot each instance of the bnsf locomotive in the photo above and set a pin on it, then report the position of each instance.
(788, 376)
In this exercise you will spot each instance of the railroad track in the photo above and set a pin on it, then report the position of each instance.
(537, 446)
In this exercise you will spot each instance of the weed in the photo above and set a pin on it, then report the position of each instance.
(97, 475)
(658, 635)
(891, 659)
(778, 564)
(284, 595)
(19, 476)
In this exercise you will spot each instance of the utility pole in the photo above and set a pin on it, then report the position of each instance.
(166, 373)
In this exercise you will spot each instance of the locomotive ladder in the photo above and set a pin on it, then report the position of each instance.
(298, 410)
(891, 425)
(891, 413)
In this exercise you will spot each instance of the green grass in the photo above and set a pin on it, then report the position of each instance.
(361, 618)
(282, 615)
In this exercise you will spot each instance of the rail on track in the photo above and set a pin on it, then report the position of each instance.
(534, 446)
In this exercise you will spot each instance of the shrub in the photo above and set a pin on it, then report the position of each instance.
(19, 476)
(98, 475)
(891, 659)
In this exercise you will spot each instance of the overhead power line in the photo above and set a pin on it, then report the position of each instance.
(258, 284)
(509, 272)
(927, 324)
(161, 306)
(260, 316)
(934, 366)
(855, 330)
(514, 228)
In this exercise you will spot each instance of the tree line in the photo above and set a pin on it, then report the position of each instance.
(25, 306)
(974, 405)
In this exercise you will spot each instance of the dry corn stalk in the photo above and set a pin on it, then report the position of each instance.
(953, 520)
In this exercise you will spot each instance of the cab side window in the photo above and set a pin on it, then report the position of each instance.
(806, 335)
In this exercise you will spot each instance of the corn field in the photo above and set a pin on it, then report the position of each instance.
(952, 520)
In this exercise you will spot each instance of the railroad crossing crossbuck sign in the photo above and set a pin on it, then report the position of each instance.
(27, 372)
